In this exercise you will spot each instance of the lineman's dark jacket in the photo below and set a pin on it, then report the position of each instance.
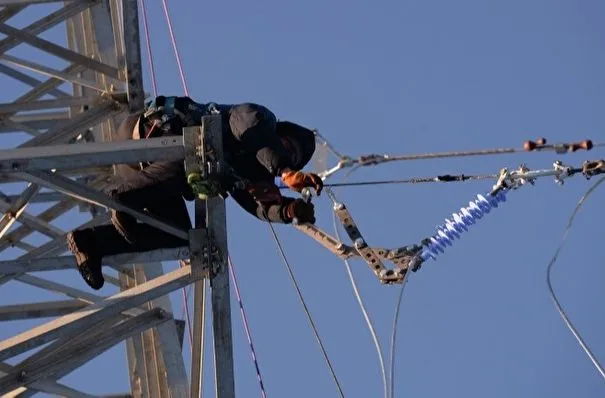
(252, 147)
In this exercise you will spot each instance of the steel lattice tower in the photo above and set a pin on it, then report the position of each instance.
(77, 67)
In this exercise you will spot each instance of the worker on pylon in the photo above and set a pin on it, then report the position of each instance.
(256, 146)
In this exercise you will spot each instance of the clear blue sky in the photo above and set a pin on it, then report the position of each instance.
(404, 77)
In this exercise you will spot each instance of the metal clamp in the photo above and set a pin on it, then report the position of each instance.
(561, 172)
(593, 167)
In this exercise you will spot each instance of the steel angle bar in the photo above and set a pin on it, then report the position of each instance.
(48, 22)
(38, 86)
(219, 273)
(47, 386)
(64, 131)
(59, 51)
(56, 116)
(20, 127)
(52, 389)
(16, 213)
(10, 11)
(69, 291)
(41, 197)
(86, 194)
(49, 86)
(169, 363)
(132, 53)
(66, 343)
(111, 306)
(45, 70)
(90, 154)
(47, 215)
(199, 302)
(14, 210)
(102, 172)
(134, 349)
(56, 287)
(69, 262)
(75, 355)
(21, 106)
(28, 2)
(58, 245)
(45, 309)
(31, 122)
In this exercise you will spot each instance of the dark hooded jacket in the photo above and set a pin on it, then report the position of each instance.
(253, 148)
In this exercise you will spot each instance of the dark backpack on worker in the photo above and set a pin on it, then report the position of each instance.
(171, 114)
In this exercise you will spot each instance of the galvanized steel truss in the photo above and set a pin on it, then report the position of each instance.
(78, 66)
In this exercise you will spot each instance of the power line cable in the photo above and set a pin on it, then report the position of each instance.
(304, 304)
(247, 328)
(363, 310)
(566, 319)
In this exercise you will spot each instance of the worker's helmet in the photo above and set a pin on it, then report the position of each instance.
(301, 139)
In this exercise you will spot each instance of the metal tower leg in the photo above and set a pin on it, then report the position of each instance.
(208, 242)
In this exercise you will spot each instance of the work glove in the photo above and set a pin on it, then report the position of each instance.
(303, 212)
(298, 180)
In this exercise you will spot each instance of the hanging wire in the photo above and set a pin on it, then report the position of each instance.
(363, 309)
(566, 319)
(149, 52)
(415, 180)
(388, 392)
(246, 327)
(394, 335)
(304, 304)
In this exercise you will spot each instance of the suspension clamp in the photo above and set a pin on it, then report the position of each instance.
(561, 172)
(593, 167)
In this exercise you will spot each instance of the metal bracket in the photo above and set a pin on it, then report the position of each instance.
(199, 252)
(561, 172)
(326, 240)
(203, 170)
(401, 257)
(365, 251)
(592, 168)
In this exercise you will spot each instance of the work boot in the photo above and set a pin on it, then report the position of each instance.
(88, 259)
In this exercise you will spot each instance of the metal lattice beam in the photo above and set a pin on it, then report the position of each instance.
(70, 105)
(75, 93)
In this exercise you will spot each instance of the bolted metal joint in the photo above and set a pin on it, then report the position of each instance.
(561, 172)
(593, 167)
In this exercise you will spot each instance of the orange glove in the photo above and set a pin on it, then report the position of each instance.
(298, 180)
(303, 212)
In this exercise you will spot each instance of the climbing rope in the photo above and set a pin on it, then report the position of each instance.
(246, 327)
(175, 47)
(304, 304)
(551, 291)
(149, 52)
